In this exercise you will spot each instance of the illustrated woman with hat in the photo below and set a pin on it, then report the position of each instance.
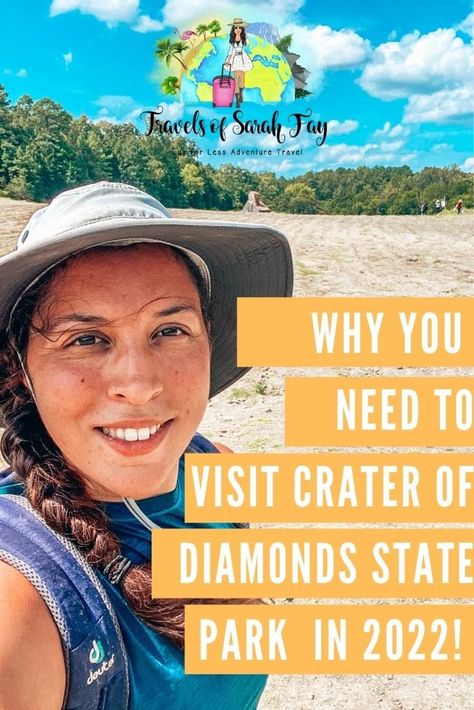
(117, 323)
(237, 60)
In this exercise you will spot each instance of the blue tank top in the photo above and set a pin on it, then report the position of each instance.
(156, 669)
(157, 678)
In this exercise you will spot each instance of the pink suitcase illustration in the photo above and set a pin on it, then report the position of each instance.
(223, 89)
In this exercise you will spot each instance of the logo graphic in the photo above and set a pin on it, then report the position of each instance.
(232, 63)
(226, 63)
(106, 666)
(96, 654)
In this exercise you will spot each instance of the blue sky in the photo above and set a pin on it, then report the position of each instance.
(393, 81)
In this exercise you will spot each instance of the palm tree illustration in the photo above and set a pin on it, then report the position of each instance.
(214, 27)
(201, 30)
(179, 48)
(168, 50)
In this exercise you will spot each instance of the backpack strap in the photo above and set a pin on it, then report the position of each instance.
(200, 445)
(94, 652)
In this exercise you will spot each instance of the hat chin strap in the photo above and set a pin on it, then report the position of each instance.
(138, 513)
(28, 381)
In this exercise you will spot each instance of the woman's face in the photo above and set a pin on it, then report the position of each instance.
(238, 32)
(121, 375)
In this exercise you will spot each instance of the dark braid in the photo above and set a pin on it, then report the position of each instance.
(57, 491)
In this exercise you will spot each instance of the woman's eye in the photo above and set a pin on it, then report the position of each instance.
(170, 331)
(87, 340)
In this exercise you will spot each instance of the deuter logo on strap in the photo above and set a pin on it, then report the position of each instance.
(96, 656)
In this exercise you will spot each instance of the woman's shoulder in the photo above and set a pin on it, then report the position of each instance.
(222, 448)
(32, 669)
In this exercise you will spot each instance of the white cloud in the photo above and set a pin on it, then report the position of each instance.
(346, 155)
(468, 165)
(418, 64)
(388, 151)
(146, 24)
(118, 109)
(176, 13)
(110, 11)
(391, 146)
(467, 25)
(172, 111)
(330, 155)
(339, 128)
(183, 15)
(324, 48)
(399, 130)
(446, 106)
(389, 131)
(441, 147)
(406, 158)
(67, 59)
(21, 73)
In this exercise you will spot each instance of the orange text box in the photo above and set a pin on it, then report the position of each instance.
(355, 638)
(382, 411)
(385, 563)
(329, 488)
(301, 332)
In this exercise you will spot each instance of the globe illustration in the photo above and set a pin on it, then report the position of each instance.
(269, 80)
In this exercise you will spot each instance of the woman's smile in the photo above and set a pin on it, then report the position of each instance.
(135, 441)
(131, 432)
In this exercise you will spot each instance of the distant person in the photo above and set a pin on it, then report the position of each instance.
(424, 208)
(438, 206)
(459, 206)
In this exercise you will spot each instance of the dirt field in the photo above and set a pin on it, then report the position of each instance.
(337, 256)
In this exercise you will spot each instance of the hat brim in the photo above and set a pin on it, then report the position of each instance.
(243, 260)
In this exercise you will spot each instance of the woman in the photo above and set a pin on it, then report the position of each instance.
(237, 60)
(109, 311)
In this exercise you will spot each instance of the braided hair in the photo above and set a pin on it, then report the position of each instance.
(55, 489)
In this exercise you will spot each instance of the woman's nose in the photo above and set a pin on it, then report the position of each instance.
(134, 376)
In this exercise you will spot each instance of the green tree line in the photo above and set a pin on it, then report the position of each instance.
(43, 150)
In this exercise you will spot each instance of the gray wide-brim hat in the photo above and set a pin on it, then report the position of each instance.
(235, 259)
